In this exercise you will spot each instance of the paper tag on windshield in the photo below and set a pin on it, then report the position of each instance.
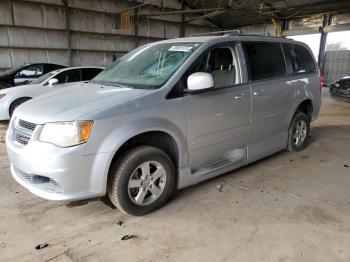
(177, 48)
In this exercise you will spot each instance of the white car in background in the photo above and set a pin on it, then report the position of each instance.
(12, 97)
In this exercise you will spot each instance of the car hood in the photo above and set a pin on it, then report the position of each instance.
(75, 103)
(16, 89)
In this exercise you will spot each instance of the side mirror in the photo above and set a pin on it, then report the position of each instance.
(199, 81)
(53, 81)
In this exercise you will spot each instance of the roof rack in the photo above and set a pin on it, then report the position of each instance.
(226, 33)
(232, 33)
(261, 34)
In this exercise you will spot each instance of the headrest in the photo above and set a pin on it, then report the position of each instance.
(221, 59)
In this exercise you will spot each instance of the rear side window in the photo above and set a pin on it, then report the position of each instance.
(264, 60)
(90, 73)
(69, 76)
(32, 71)
(299, 60)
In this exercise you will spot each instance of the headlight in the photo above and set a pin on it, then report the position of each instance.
(66, 134)
(2, 95)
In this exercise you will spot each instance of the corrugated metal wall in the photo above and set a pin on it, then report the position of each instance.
(337, 65)
(36, 30)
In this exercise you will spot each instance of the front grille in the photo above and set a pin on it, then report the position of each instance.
(24, 175)
(23, 131)
(20, 138)
(42, 182)
(26, 125)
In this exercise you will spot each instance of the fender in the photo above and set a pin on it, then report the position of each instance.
(121, 134)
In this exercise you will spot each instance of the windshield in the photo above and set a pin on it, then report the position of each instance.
(42, 79)
(13, 70)
(148, 66)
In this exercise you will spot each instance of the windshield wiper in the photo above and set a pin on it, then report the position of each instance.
(109, 83)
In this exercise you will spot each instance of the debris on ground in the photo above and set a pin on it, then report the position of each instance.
(219, 187)
(345, 165)
(127, 237)
(41, 246)
(2, 245)
(291, 160)
(119, 223)
(304, 156)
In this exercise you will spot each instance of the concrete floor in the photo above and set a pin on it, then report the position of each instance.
(288, 207)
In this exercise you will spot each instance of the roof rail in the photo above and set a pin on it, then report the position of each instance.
(226, 33)
(261, 34)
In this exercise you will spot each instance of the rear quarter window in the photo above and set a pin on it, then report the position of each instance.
(299, 59)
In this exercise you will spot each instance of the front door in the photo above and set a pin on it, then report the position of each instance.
(218, 119)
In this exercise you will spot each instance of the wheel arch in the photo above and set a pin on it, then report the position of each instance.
(306, 107)
(156, 138)
(26, 98)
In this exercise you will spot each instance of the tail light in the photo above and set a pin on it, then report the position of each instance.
(321, 82)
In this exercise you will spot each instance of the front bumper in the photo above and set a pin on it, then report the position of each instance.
(4, 109)
(57, 173)
(340, 93)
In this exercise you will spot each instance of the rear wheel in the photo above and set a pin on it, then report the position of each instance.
(141, 181)
(17, 103)
(299, 132)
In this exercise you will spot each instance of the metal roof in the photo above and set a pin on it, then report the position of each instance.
(233, 13)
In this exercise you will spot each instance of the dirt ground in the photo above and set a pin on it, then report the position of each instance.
(288, 207)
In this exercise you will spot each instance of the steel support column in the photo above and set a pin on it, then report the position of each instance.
(183, 21)
(68, 33)
(327, 20)
(136, 24)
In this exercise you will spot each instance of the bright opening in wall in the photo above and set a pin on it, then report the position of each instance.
(338, 41)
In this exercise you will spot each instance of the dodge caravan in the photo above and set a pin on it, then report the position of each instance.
(166, 116)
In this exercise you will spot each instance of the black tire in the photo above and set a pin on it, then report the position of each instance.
(126, 167)
(17, 103)
(298, 118)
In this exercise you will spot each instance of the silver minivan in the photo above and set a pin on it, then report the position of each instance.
(166, 116)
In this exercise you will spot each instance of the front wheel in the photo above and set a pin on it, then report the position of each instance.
(299, 132)
(141, 181)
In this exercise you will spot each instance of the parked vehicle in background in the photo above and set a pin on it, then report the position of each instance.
(11, 98)
(340, 89)
(24, 74)
(166, 116)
